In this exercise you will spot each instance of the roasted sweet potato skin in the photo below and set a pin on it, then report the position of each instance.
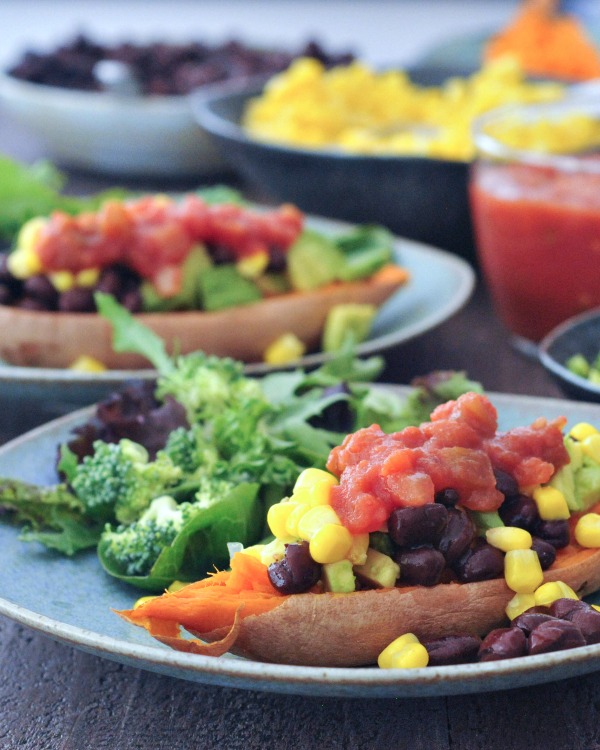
(350, 630)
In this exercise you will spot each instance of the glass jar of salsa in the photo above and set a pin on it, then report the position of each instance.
(535, 201)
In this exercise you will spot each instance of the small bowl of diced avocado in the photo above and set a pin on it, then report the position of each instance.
(571, 354)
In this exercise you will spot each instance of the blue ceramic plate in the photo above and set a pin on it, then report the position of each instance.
(71, 600)
(440, 285)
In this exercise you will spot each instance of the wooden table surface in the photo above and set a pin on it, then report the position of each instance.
(54, 696)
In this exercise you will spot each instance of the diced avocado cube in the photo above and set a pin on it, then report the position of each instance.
(188, 297)
(312, 261)
(380, 541)
(587, 484)
(379, 570)
(578, 365)
(485, 520)
(344, 322)
(338, 577)
(564, 481)
(223, 286)
(575, 452)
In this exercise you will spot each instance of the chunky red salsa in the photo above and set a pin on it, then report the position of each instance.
(459, 449)
(156, 232)
(538, 237)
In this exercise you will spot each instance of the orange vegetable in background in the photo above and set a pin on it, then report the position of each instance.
(547, 44)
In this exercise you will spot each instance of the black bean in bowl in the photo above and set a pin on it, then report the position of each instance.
(161, 68)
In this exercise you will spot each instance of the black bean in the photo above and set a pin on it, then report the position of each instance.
(420, 567)
(452, 649)
(563, 607)
(458, 535)
(29, 303)
(588, 622)
(447, 497)
(296, 572)
(110, 281)
(5, 274)
(503, 643)
(424, 524)
(132, 301)
(480, 563)
(554, 635)
(505, 483)
(557, 533)
(530, 620)
(40, 287)
(78, 299)
(6, 295)
(520, 511)
(545, 551)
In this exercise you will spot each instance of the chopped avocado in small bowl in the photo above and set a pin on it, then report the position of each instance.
(571, 354)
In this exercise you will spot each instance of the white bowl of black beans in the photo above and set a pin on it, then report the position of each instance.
(140, 127)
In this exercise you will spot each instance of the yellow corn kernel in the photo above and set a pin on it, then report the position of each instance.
(596, 607)
(277, 518)
(518, 604)
(87, 277)
(358, 551)
(253, 265)
(551, 591)
(587, 530)
(330, 544)
(591, 447)
(582, 430)
(176, 586)
(551, 504)
(291, 525)
(287, 348)
(23, 263)
(314, 519)
(413, 656)
(255, 551)
(85, 363)
(385, 657)
(313, 485)
(508, 537)
(274, 551)
(142, 600)
(62, 281)
(522, 570)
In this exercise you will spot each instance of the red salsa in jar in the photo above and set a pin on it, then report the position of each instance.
(538, 238)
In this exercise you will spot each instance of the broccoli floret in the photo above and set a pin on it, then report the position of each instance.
(136, 547)
(211, 490)
(190, 451)
(118, 481)
(206, 385)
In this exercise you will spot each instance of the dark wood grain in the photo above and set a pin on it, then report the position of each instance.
(55, 697)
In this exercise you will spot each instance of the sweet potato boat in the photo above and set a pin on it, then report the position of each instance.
(337, 630)
(49, 339)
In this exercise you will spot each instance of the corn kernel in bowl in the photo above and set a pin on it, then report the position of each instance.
(355, 109)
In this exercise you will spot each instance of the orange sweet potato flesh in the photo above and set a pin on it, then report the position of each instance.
(50, 339)
(241, 613)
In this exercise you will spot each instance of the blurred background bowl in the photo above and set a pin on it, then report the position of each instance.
(577, 335)
(420, 198)
(112, 134)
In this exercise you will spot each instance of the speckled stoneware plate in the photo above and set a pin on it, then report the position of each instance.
(439, 286)
(71, 600)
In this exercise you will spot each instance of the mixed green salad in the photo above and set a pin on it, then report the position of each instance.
(165, 475)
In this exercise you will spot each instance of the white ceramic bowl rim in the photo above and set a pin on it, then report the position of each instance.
(80, 99)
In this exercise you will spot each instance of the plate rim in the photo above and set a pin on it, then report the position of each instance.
(323, 681)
